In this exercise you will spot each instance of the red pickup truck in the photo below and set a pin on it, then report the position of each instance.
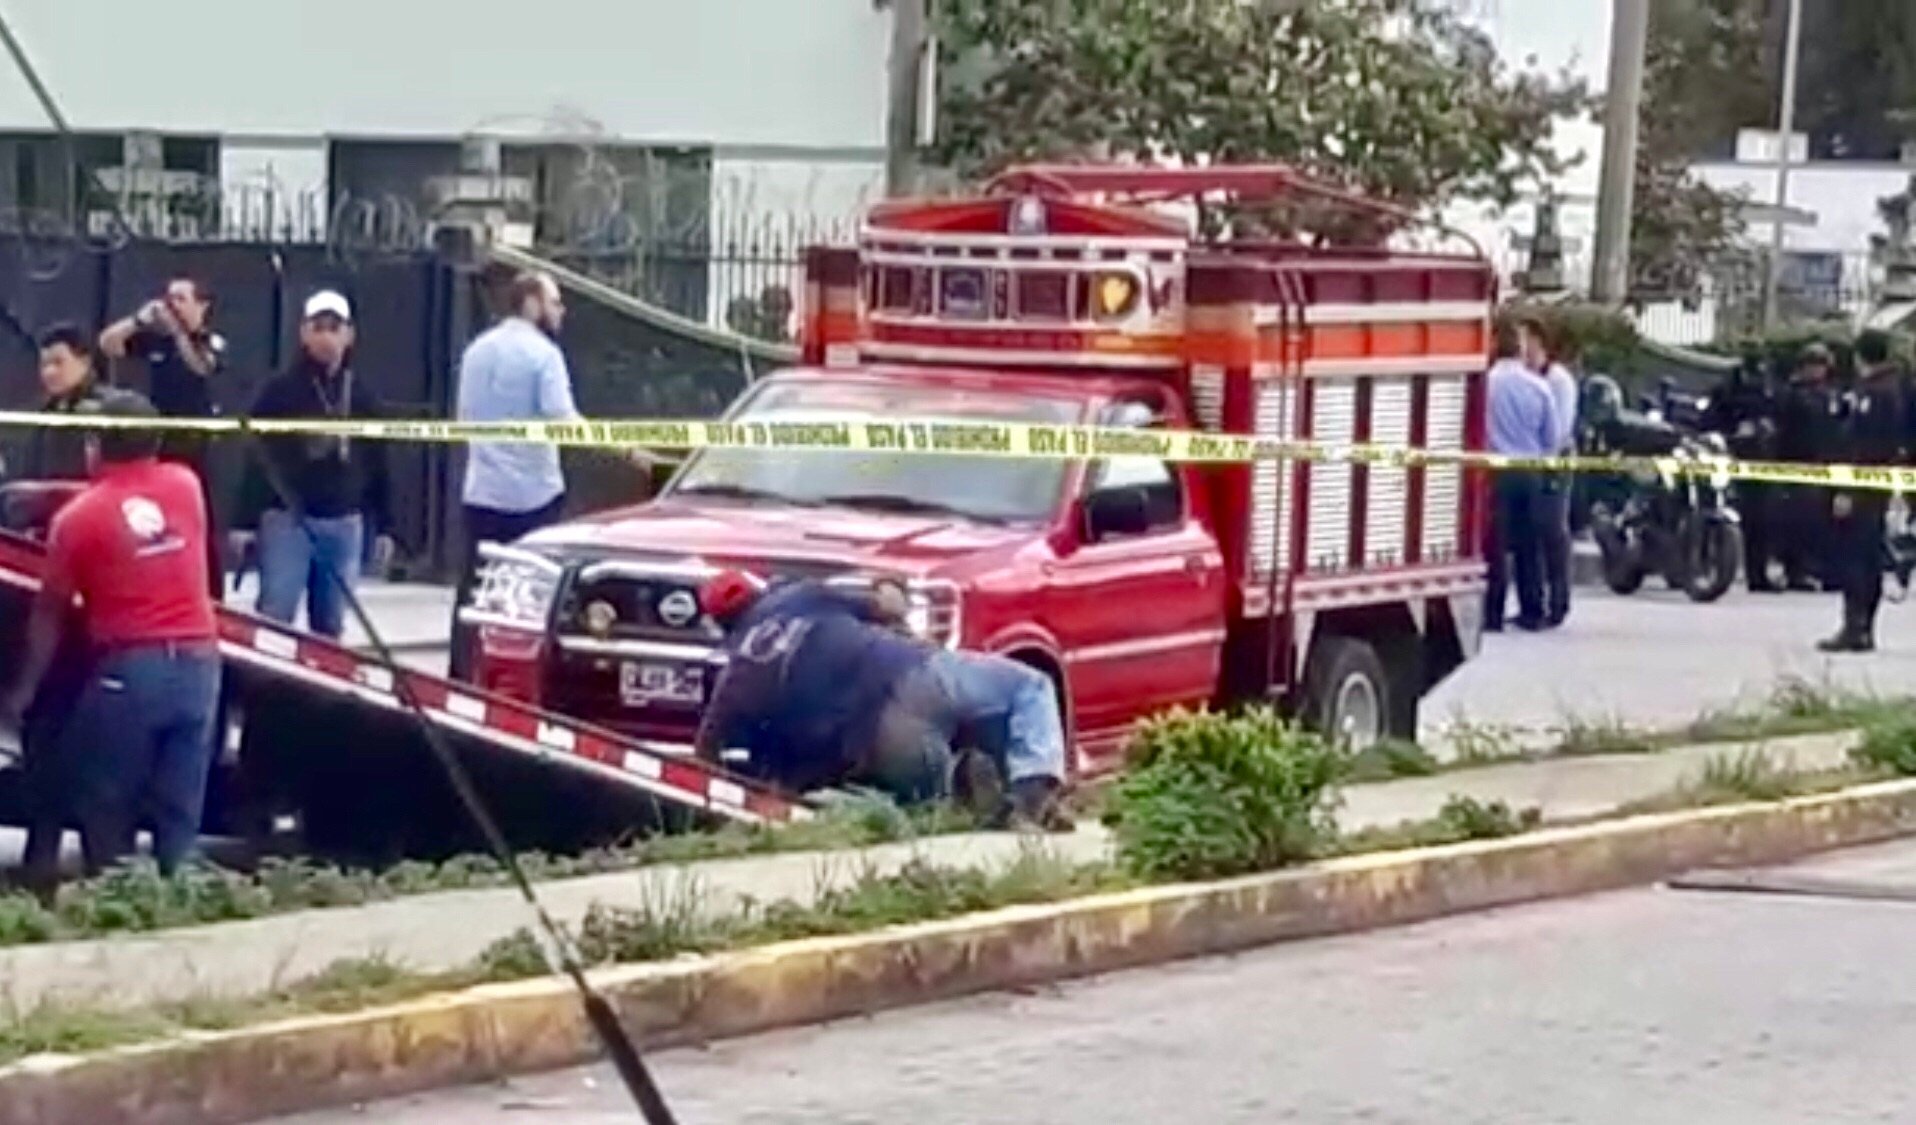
(1062, 296)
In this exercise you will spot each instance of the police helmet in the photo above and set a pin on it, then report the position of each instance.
(1602, 400)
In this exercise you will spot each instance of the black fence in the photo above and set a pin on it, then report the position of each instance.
(401, 305)
(415, 315)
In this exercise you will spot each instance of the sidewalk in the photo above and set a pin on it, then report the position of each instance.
(448, 930)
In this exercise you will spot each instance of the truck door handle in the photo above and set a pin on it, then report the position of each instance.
(1196, 566)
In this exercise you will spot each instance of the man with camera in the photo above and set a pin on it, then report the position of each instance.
(173, 336)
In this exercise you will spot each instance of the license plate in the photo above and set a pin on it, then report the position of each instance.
(642, 683)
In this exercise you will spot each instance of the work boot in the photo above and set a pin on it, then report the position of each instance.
(1849, 638)
(1037, 805)
(977, 786)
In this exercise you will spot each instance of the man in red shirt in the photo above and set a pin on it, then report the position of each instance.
(131, 550)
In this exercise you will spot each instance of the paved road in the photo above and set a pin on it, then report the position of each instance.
(1657, 659)
(1653, 659)
(1647, 1006)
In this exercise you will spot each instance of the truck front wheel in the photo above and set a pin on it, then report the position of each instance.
(1348, 694)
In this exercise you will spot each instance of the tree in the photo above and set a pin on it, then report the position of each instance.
(1698, 88)
(1859, 77)
(1399, 99)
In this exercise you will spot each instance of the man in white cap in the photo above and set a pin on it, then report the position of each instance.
(314, 505)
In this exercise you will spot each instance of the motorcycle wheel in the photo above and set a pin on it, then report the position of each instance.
(1716, 555)
(1623, 568)
(1622, 572)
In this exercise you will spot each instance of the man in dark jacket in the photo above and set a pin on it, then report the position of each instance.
(312, 541)
(1745, 408)
(823, 687)
(54, 469)
(1809, 431)
(1874, 433)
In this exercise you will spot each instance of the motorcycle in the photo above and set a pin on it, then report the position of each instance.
(1675, 520)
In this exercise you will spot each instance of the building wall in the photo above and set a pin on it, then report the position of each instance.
(806, 73)
(1842, 196)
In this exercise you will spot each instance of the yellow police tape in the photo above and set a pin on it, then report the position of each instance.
(973, 438)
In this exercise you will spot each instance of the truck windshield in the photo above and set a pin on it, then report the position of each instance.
(991, 490)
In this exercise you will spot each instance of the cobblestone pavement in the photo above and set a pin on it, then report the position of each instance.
(1647, 1006)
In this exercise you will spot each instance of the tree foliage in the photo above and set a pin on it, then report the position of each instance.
(1399, 99)
(1858, 90)
(1697, 88)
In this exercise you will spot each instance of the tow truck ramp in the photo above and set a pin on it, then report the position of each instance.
(328, 738)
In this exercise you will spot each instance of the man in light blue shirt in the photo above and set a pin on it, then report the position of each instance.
(1554, 510)
(1522, 423)
(514, 372)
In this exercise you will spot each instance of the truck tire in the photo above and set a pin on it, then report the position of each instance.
(1348, 693)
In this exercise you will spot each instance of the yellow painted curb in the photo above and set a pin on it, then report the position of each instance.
(494, 1030)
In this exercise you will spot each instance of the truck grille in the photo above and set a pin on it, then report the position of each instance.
(656, 608)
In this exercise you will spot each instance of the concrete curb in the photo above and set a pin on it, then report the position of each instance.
(487, 1032)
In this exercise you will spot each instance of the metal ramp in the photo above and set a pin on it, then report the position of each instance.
(309, 667)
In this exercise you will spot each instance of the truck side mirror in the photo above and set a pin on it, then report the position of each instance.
(1111, 513)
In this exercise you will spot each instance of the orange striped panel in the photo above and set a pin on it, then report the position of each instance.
(1225, 349)
(1397, 339)
(1460, 338)
(1337, 341)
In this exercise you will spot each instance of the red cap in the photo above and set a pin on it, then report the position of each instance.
(728, 592)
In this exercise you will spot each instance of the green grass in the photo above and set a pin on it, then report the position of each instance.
(1584, 737)
(672, 922)
(349, 985)
(1461, 818)
(1388, 760)
(669, 925)
(135, 898)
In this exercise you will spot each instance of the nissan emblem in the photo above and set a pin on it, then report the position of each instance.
(678, 608)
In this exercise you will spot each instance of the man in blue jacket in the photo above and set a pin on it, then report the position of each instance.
(823, 687)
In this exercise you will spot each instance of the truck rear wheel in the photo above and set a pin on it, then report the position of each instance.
(1348, 693)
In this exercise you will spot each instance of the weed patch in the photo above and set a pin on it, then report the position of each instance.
(1209, 795)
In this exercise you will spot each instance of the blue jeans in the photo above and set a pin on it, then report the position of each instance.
(142, 737)
(299, 557)
(1008, 709)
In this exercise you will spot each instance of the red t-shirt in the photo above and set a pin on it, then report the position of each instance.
(133, 546)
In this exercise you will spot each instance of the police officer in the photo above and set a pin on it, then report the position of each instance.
(1809, 431)
(1874, 431)
(1746, 409)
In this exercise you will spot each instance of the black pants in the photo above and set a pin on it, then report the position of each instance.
(1553, 540)
(1515, 543)
(486, 525)
(1802, 534)
(1760, 506)
(47, 760)
(1858, 548)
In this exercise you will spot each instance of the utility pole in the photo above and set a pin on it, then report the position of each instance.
(1786, 129)
(906, 100)
(1629, 43)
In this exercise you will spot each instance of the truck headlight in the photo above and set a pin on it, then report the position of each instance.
(934, 609)
(515, 588)
(935, 615)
